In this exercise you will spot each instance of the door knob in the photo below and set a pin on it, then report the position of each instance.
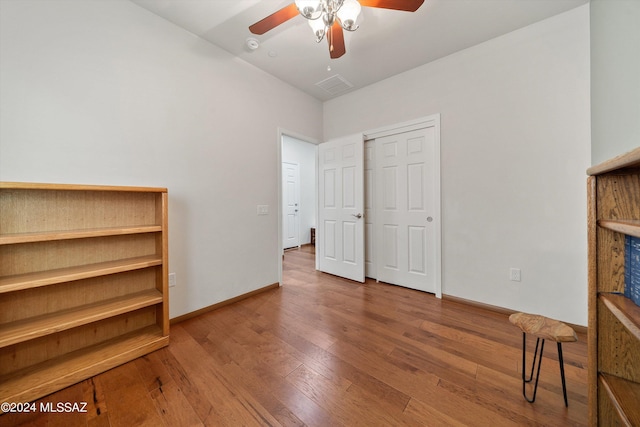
(357, 215)
(429, 219)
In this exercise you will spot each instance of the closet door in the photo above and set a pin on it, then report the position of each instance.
(407, 211)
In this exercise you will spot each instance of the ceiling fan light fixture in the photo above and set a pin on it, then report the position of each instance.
(310, 9)
(348, 14)
(322, 14)
(318, 28)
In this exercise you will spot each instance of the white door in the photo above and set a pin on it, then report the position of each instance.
(408, 211)
(340, 238)
(290, 205)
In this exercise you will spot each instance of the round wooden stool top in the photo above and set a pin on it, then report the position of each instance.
(543, 327)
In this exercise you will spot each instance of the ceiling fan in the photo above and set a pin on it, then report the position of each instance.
(330, 17)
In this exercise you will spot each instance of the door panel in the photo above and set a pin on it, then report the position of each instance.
(329, 242)
(330, 188)
(417, 240)
(407, 240)
(341, 191)
(350, 245)
(390, 187)
(415, 190)
(390, 248)
(348, 188)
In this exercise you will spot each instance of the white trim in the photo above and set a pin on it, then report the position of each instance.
(423, 122)
(435, 119)
(296, 135)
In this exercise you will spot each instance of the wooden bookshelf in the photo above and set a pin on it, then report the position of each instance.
(83, 282)
(614, 320)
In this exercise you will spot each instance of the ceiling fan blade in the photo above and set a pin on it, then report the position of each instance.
(275, 19)
(336, 41)
(406, 5)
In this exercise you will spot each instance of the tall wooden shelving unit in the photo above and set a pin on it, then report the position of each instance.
(614, 321)
(83, 282)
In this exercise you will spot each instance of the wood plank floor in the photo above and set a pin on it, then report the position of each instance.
(323, 351)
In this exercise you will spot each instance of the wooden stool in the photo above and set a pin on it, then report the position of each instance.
(543, 328)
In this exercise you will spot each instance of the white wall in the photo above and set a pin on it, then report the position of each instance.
(515, 141)
(615, 77)
(304, 154)
(104, 92)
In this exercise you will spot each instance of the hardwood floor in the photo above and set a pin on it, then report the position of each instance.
(324, 351)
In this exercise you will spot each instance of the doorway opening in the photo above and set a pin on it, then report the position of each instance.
(297, 192)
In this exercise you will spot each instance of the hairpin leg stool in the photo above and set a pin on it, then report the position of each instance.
(543, 328)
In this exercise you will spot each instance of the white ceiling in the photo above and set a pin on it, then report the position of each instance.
(388, 42)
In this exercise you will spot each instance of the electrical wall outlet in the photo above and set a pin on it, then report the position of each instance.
(172, 280)
(514, 274)
(263, 209)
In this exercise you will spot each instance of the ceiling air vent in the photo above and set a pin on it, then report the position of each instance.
(335, 84)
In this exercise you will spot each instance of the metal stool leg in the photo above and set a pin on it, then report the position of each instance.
(535, 356)
(564, 384)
